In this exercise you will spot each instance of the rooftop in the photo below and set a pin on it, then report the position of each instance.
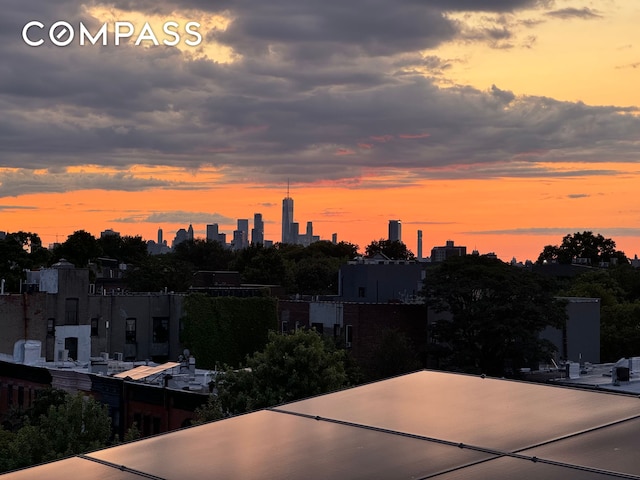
(422, 425)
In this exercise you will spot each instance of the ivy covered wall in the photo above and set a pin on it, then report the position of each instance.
(224, 330)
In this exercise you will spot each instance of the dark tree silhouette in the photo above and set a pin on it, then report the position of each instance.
(80, 248)
(394, 249)
(595, 248)
(490, 314)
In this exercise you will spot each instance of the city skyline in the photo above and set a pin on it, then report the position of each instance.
(501, 125)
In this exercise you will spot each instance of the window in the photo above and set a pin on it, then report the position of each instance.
(71, 311)
(160, 329)
(130, 330)
(362, 292)
(71, 344)
(9, 395)
(336, 330)
(284, 326)
(21, 397)
(94, 327)
(348, 335)
(51, 327)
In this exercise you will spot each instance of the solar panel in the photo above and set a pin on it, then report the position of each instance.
(423, 425)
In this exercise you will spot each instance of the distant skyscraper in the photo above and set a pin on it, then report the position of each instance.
(295, 233)
(239, 239)
(287, 219)
(214, 235)
(308, 236)
(181, 236)
(334, 238)
(395, 230)
(419, 244)
(212, 232)
(257, 233)
(159, 236)
(190, 233)
(243, 226)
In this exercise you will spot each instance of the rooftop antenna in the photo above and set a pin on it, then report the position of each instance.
(287, 188)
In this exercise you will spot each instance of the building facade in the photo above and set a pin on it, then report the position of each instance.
(440, 254)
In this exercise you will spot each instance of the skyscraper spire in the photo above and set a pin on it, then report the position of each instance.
(287, 219)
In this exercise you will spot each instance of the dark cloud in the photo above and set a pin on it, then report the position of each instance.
(10, 208)
(427, 222)
(291, 6)
(568, 13)
(177, 216)
(578, 195)
(629, 65)
(561, 231)
(21, 182)
(325, 91)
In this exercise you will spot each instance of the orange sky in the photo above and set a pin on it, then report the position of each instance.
(564, 64)
(462, 210)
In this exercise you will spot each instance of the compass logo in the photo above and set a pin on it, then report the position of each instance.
(62, 34)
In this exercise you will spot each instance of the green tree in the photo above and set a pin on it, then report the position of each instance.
(596, 248)
(210, 411)
(316, 267)
(628, 278)
(267, 266)
(619, 311)
(78, 425)
(80, 248)
(7, 461)
(125, 249)
(20, 251)
(323, 248)
(596, 284)
(317, 275)
(394, 355)
(132, 433)
(157, 272)
(204, 254)
(50, 397)
(619, 331)
(290, 367)
(394, 249)
(494, 314)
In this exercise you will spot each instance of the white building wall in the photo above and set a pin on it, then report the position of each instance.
(83, 334)
(326, 313)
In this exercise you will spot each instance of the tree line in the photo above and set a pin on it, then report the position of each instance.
(310, 270)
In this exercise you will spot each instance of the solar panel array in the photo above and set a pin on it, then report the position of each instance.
(418, 426)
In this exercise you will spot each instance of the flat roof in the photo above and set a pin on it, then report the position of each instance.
(145, 371)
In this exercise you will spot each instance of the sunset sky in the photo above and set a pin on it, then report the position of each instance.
(500, 124)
